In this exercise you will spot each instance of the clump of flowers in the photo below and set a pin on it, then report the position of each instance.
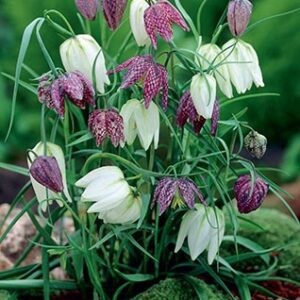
(153, 177)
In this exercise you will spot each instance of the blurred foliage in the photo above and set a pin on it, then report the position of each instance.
(277, 42)
(291, 160)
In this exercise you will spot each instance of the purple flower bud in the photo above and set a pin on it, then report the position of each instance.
(113, 11)
(88, 8)
(238, 16)
(105, 124)
(178, 191)
(45, 170)
(250, 197)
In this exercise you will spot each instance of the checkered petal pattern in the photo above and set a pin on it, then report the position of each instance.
(154, 76)
(167, 188)
(159, 19)
(57, 98)
(88, 8)
(106, 124)
(73, 85)
(113, 11)
(250, 198)
(215, 118)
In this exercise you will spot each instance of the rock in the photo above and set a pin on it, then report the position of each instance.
(19, 238)
(179, 289)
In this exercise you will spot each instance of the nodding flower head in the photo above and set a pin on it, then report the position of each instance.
(154, 75)
(238, 15)
(106, 123)
(187, 111)
(113, 11)
(73, 85)
(256, 144)
(45, 171)
(159, 19)
(250, 195)
(88, 8)
(175, 192)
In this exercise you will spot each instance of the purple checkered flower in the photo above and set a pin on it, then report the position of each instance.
(73, 85)
(250, 197)
(107, 123)
(159, 19)
(45, 171)
(88, 8)
(175, 192)
(187, 111)
(113, 11)
(238, 16)
(143, 68)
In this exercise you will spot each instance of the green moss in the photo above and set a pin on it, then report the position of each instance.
(4, 295)
(278, 230)
(178, 289)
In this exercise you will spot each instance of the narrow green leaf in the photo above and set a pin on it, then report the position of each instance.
(15, 169)
(135, 277)
(145, 205)
(242, 287)
(82, 139)
(22, 53)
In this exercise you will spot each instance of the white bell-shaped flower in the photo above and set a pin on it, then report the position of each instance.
(142, 122)
(80, 53)
(211, 56)
(112, 196)
(127, 212)
(204, 229)
(137, 10)
(203, 92)
(41, 192)
(243, 65)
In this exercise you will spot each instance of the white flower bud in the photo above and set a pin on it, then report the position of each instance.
(243, 65)
(204, 228)
(203, 92)
(142, 122)
(79, 53)
(210, 55)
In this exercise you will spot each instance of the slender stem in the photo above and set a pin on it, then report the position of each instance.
(199, 16)
(55, 12)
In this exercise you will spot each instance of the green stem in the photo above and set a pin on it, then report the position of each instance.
(59, 14)
(199, 16)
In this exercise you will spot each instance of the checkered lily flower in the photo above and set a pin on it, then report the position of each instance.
(250, 196)
(143, 68)
(113, 11)
(88, 8)
(73, 85)
(175, 192)
(106, 123)
(187, 111)
(159, 18)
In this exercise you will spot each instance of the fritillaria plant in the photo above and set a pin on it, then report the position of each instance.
(143, 133)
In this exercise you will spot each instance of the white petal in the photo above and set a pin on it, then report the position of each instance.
(187, 221)
(203, 92)
(137, 24)
(127, 113)
(148, 123)
(108, 174)
(198, 236)
(127, 212)
(217, 221)
(79, 54)
(109, 198)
